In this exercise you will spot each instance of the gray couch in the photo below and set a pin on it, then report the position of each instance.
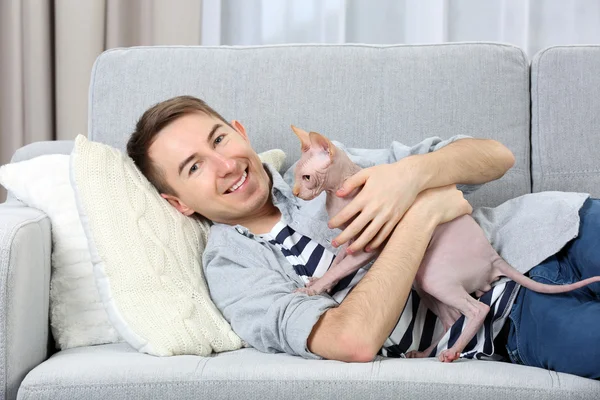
(547, 112)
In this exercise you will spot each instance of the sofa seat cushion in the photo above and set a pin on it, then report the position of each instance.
(117, 371)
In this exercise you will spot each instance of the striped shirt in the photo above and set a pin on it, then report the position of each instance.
(417, 327)
(271, 318)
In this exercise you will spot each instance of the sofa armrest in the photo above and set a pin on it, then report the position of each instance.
(25, 248)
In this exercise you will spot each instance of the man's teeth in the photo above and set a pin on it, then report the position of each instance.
(239, 183)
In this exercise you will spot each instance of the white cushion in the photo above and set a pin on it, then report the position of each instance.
(147, 257)
(77, 315)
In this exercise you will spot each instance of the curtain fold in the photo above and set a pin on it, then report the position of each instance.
(79, 39)
(26, 112)
(48, 47)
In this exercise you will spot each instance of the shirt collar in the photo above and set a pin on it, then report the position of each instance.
(280, 190)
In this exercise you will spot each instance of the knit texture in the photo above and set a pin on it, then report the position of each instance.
(275, 157)
(147, 257)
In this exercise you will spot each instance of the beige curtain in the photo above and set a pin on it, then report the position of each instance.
(48, 47)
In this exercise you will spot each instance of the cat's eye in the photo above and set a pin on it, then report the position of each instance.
(306, 177)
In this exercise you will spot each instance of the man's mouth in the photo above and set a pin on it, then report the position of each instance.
(239, 183)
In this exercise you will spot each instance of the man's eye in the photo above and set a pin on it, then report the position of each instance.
(219, 139)
(194, 168)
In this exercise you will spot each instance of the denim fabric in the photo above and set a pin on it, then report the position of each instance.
(561, 332)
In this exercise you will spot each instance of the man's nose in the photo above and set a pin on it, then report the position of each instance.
(225, 165)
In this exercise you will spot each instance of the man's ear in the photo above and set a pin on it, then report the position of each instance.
(178, 204)
(237, 125)
(320, 141)
(303, 136)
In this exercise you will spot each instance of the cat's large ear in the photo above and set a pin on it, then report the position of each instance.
(320, 141)
(304, 138)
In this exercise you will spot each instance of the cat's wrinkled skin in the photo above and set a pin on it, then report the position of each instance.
(459, 259)
(326, 169)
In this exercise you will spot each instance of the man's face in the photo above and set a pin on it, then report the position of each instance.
(204, 160)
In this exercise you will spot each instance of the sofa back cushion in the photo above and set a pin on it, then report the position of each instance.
(565, 129)
(362, 95)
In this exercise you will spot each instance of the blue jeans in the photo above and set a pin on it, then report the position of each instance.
(561, 332)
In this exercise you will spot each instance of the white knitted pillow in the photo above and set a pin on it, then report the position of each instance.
(147, 257)
(77, 316)
(275, 157)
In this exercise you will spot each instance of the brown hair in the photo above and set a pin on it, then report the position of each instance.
(153, 121)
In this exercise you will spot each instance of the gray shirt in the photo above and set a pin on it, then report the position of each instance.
(252, 282)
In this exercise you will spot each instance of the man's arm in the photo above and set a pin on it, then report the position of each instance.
(356, 330)
(467, 161)
(255, 295)
(390, 189)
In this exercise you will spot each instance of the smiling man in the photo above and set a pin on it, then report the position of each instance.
(230, 188)
(264, 243)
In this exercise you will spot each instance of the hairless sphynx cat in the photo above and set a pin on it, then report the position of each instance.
(459, 259)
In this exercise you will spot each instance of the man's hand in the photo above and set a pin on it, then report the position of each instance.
(443, 203)
(356, 330)
(389, 190)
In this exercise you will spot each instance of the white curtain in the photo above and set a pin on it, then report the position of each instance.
(529, 24)
(47, 47)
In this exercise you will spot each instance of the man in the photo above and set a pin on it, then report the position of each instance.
(204, 166)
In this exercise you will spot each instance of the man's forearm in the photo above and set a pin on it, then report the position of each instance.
(466, 161)
(368, 314)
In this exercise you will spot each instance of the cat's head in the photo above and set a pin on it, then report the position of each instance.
(310, 174)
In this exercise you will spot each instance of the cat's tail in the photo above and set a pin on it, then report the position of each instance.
(510, 272)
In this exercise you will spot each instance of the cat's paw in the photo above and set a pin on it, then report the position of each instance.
(311, 280)
(320, 286)
(412, 354)
(449, 356)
